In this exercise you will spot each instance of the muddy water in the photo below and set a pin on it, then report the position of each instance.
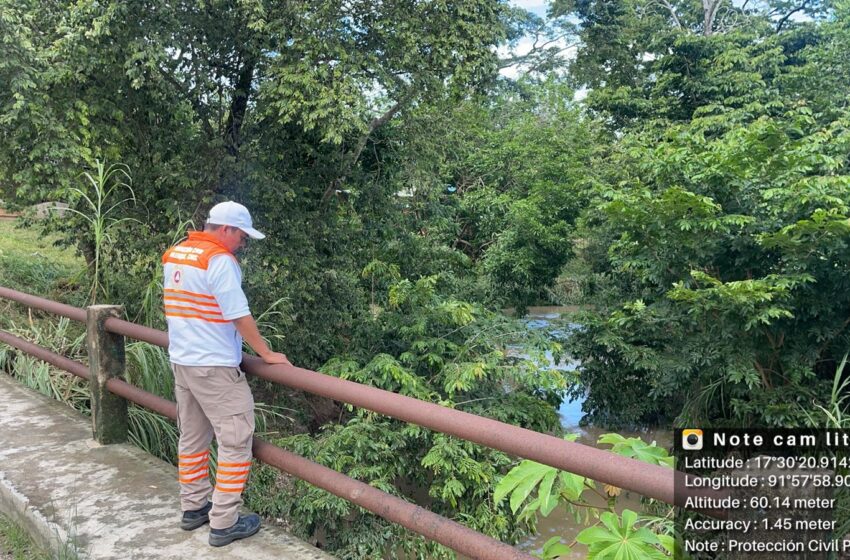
(560, 522)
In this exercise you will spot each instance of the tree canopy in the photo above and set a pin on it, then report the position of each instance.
(679, 169)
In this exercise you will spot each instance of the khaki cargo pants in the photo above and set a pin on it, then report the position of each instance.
(213, 400)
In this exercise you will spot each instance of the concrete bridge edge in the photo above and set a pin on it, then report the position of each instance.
(45, 533)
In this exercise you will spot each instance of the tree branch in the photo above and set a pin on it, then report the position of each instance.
(710, 8)
(200, 110)
(535, 51)
(789, 14)
(238, 106)
(354, 155)
(672, 11)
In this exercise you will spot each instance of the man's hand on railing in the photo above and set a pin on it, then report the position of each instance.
(276, 358)
(247, 327)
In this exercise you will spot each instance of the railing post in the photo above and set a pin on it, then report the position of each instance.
(106, 360)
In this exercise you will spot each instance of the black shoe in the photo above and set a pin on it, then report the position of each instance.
(194, 519)
(245, 526)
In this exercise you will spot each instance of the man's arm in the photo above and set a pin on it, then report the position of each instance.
(225, 284)
(247, 327)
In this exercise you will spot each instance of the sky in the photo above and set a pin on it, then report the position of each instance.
(535, 6)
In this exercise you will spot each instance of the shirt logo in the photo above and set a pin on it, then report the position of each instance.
(176, 276)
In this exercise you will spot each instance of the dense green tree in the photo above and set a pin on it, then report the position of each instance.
(645, 60)
(697, 200)
(316, 116)
(510, 178)
(720, 270)
(270, 103)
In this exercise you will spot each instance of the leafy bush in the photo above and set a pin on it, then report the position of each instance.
(421, 344)
(722, 269)
(611, 535)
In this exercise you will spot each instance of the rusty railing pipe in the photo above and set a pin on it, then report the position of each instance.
(69, 311)
(418, 519)
(46, 355)
(650, 480)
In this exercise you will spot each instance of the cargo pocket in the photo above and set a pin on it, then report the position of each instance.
(237, 430)
(232, 394)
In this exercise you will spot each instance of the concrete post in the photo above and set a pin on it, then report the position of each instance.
(106, 360)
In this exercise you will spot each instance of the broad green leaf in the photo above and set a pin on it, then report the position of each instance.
(637, 449)
(668, 542)
(524, 488)
(548, 501)
(619, 539)
(553, 548)
(572, 485)
(516, 476)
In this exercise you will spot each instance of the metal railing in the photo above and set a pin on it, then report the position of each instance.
(650, 480)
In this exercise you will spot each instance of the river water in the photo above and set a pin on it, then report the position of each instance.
(560, 522)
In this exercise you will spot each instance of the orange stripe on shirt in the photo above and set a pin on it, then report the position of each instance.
(177, 310)
(203, 265)
(181, 308)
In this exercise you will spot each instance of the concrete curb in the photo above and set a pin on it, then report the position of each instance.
(46, 534)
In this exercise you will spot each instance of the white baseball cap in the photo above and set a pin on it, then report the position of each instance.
(233, 214)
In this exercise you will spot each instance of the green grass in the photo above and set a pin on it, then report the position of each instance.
(23, 242)
(31, 262)
(16, 544)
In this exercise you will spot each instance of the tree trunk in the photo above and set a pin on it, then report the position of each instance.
(238, 107)
(709, 10)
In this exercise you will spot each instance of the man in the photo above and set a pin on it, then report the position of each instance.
(208, 317)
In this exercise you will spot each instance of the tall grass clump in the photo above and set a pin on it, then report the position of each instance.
(102, 185)
(834, 413)
(155, 434)
(148, 368)
(48, 380)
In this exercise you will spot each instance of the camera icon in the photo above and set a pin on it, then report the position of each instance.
(691, 440)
